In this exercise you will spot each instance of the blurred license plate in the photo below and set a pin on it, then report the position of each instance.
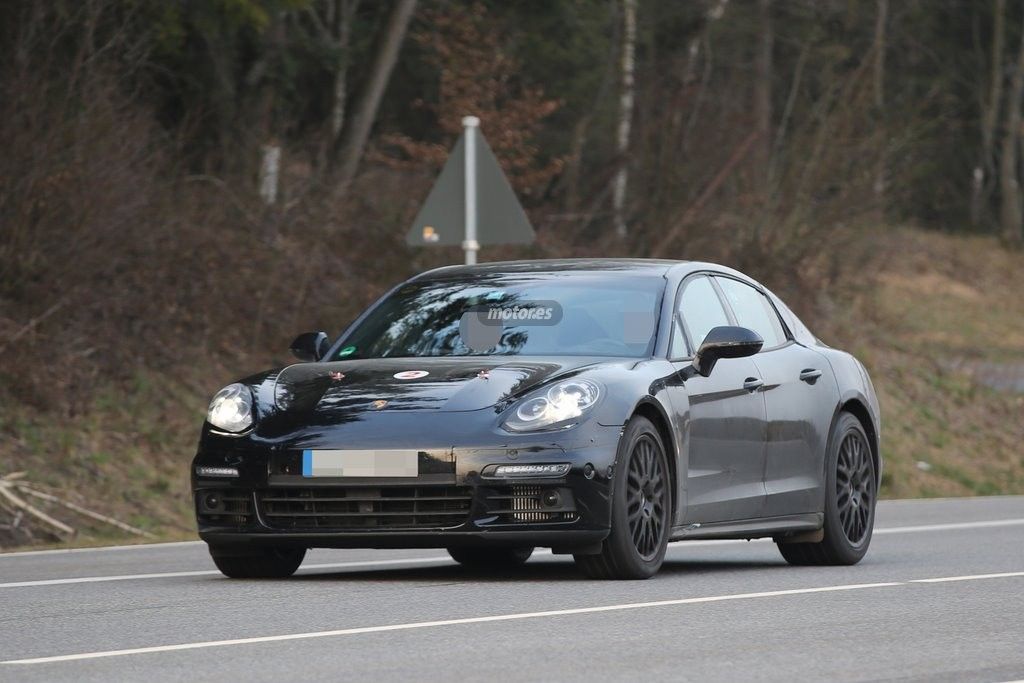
(360, 463)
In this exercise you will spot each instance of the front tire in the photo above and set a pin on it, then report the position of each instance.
(257, 562)
(490, 558)
(850, 496)
(641, 509)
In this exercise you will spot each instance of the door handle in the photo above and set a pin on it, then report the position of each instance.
(810, 375)
(753, 383)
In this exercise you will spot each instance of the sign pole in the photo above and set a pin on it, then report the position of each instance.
(470, 244)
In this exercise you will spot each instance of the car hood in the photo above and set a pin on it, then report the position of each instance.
(345, 390)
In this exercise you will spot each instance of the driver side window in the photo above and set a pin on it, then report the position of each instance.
(753, 311)
(700, 310)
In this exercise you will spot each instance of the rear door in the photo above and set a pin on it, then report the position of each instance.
(724, 414)
(800, 396)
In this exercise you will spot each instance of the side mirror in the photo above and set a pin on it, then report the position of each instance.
(310, 346)
(725, 342)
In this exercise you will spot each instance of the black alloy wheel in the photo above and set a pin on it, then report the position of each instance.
(641, 508)
(851, 492)
(855, 487)
(645, 496)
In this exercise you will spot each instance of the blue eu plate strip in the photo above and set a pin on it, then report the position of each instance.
(307, 463)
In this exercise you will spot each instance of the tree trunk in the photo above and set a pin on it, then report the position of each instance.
(763, 95)
(714, 13)
(270, 172)
(354, 141)
(574, 162)
(881, 19)
(344, 12)
(625, 114)
(1008, 174)
(270, 149)
(984, 170)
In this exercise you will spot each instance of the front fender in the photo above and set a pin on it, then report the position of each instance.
(857, 395)
(644, 389)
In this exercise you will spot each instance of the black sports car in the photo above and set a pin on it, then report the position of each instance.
(601, 408)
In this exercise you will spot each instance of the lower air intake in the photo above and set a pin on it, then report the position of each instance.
(526, 504)
(224, 508)
(344, 508)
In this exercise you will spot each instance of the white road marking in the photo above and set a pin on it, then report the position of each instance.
(944, 499)
(488, 619)
(975, 577)
(104, 548)
(214, 572)
(434, 624)
(988, 524)
(422, 560)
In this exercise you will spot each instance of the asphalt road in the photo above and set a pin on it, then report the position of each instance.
(940, 596)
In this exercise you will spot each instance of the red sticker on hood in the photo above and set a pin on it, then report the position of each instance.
(411, 374)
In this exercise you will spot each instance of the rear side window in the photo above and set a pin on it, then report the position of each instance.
(796, 326)
(753, 311)
(701, 310)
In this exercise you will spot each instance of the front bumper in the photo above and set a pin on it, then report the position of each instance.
(449, 504)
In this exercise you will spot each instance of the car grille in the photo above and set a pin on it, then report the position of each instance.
(522, 503)
(365, 508)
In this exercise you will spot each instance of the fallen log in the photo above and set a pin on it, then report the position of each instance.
(6, 491)
(27, 490)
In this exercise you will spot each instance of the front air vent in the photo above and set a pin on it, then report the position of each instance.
(348, 508)
(526, 504)
(224, 508)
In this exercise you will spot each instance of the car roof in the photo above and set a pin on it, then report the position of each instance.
(672, 270)
(634, 266)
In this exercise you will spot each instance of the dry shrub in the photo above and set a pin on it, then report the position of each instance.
(805, 231)
(478, 77)
(78, 185)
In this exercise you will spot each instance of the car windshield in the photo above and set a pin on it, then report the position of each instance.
(524, 314)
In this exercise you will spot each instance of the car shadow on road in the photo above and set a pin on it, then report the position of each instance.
(534, 571)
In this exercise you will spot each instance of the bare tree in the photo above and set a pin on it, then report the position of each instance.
(334, 30)
(625, 114)
(694, 55)
(984, 170)
(270, 171)
(1008, 174)
(580, 133)
(763, 93)
(270, 150)
(881, 19)
(342, 12)
(713, 14)
(358, 131)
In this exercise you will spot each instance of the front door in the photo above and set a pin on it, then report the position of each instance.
(723, 417)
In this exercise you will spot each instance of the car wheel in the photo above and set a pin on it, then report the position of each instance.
(850, 497)
(641, 509)
(257, 562)
(490, 558)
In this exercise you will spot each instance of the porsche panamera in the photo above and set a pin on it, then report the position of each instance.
(601, 408)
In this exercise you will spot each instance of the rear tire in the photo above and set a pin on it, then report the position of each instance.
(257, 562)
(641, 509)
(490, 558)
(850, 496)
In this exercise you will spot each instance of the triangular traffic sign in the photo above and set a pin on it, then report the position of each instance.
(500, 217)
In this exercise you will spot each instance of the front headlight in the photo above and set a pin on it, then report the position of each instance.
(558, 405)
(231, 409)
